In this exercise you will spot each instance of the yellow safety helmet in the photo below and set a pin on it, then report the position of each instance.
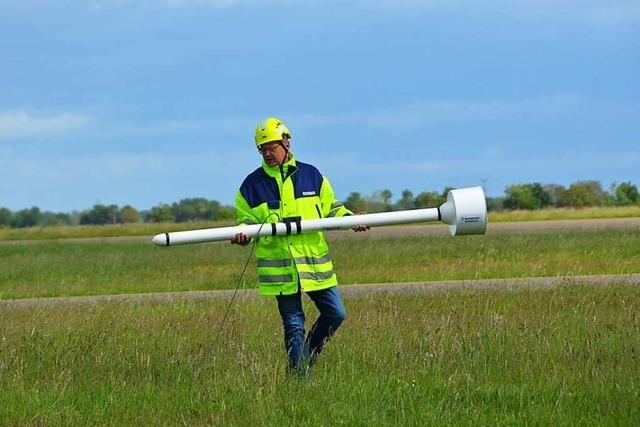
(271, 129)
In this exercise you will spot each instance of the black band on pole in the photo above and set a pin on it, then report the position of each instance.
(439, 216)
(273, 228)
(166, 235)
(297, 219)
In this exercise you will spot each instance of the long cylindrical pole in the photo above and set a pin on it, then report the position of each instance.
(465, 211)
(296, 226)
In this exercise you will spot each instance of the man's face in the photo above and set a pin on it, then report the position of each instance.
(273, 153)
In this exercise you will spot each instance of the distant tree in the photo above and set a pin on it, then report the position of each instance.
(584, 193)
(386, 196)
(379, 201)
(190, 209)
(556, 193)
(201, 209)
(519, 196)
(5, 217)
(225, 212)
(100, 215)
(406, 201)
(526, 196)
(542, 197)
(625, 194)
(430, 199)
(375, 203)
(144, 215)
(128, 215)
(26, 218)
(161, 213)
(74, 218)
(495, 204)
(52, 218)
(355, 202)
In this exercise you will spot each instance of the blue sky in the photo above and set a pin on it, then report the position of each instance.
(142, 102)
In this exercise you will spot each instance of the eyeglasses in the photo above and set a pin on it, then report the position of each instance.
(264, 150)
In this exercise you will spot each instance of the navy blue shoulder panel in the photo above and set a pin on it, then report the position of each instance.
(258, 188)
(306, 181)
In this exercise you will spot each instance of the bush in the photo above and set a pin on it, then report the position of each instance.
(52, 218)
(26, 218)
(100, 214)
(625, 194)
(584, 193)
(128, 215)
(161, 213)
(526, 196)
(430, 199)
(5, 217)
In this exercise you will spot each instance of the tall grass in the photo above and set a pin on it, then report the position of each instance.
(566, 213)
(565, 356)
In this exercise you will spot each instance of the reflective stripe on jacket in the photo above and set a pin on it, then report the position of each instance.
(294, 189)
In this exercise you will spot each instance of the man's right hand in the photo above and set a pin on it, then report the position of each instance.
(240, 239)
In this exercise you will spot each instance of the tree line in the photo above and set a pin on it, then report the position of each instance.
(192, 209)
(519, 196)
(526, 196)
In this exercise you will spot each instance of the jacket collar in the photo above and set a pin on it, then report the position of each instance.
(274, 171)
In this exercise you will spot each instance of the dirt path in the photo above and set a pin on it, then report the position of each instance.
(349, 291)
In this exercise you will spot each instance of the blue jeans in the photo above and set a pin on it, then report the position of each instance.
(332, 313)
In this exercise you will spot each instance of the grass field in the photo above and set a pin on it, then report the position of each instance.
(64, 268)
(64, 232)
(80, 231)
(564, 356)
(566, 213)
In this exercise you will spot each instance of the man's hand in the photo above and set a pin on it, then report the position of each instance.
(359, 228)
(240, 239)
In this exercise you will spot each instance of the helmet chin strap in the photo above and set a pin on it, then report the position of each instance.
(286, 152)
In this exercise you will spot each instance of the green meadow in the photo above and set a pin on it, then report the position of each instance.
(91, 267)
(565, 355)
(561, 356)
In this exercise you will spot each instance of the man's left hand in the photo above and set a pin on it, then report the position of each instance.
(359, 228)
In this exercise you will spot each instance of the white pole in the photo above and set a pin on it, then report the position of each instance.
(465, 211)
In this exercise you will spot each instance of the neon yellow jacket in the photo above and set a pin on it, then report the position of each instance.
(294, 189)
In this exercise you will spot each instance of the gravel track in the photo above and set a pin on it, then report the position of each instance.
(349, 291)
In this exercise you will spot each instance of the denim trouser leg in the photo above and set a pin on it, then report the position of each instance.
(290, 307)
(332, 313)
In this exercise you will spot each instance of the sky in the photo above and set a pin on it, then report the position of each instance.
(144, 102)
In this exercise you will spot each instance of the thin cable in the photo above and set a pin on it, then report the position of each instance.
(246, 264)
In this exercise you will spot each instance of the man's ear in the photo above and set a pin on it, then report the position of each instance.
(285, 142)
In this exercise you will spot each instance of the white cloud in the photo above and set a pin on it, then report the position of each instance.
(23, 125)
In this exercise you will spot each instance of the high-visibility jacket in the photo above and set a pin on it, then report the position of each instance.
(275, 194)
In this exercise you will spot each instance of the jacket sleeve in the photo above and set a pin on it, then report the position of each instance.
(330, 205)
(244, 214)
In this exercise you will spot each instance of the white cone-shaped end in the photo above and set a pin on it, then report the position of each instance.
(465, 211)
(160, 239)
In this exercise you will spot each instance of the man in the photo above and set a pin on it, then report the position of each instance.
(284, 189)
